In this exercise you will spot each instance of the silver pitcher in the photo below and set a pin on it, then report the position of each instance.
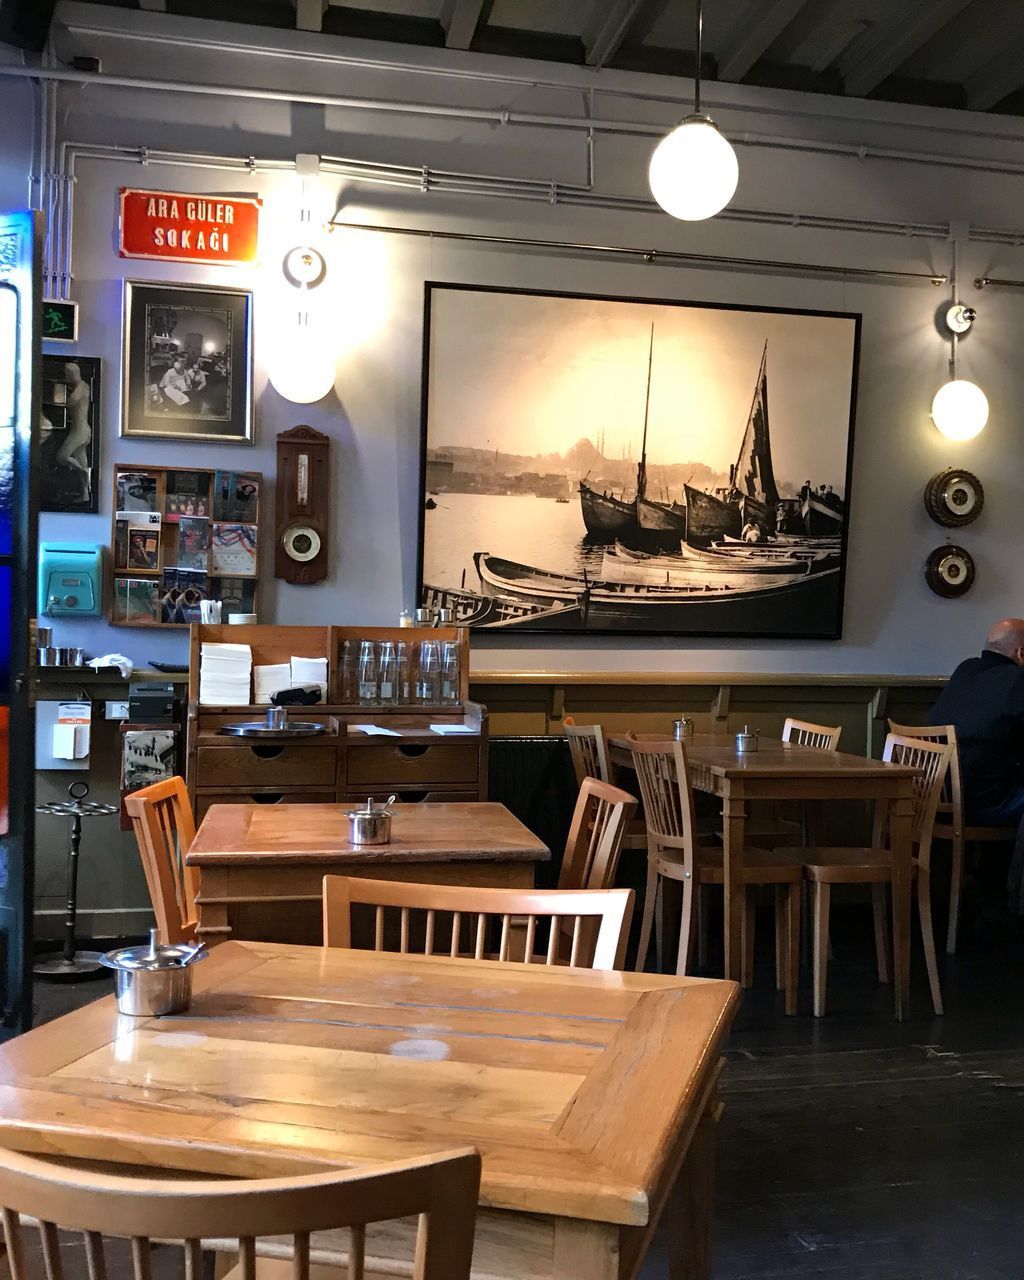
(153, 980)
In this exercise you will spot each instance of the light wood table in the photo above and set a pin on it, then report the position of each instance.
(261, 867)
(784, 771)
(591, 1096)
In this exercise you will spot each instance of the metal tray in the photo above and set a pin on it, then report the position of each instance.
(259, 729)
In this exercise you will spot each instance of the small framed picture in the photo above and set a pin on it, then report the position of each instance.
(187, 363)
(69, 435)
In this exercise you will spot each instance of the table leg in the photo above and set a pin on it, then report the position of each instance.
(901, 818)
(734, 822)
(585, 1251)
(690, 1206)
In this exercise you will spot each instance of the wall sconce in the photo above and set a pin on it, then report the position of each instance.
(694, 170)
(302, 364)
(960, 407)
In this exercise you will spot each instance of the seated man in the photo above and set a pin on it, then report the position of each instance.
(984, 700)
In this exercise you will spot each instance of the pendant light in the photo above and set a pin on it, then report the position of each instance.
(693, 171)
(960, 407)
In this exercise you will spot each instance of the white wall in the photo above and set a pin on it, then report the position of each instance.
(893, 622)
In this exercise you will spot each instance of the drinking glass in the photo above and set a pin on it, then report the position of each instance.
(450, 682)
(388, 674)
(368, 691)
(428, 678)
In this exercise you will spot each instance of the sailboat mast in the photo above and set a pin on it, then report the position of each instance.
(641, 470)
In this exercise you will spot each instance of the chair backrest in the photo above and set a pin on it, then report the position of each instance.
(664, 775)
(951, 797)
(477, 914)
(599, 824)
(162, 821)
(931, 760)
(444, 1188)
(588, 749)
(804, 733)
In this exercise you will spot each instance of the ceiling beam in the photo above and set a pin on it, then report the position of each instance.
(460, 19)
(886, 46)
(997, 79)
(309, 14)
(603, 37)
(760, 25)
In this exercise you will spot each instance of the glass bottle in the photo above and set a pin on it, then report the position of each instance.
(451, 689)
(367, 673)
(405, 618)
(348, 672)
(428, 677)
(405, 673)
(388, 674)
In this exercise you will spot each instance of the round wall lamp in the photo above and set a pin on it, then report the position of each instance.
(694, 170)
(304, 267)
(960, 409)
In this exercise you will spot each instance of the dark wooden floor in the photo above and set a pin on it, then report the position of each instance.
(855, 1148)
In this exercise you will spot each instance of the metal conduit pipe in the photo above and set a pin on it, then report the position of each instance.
(334, 58)
(501, 116)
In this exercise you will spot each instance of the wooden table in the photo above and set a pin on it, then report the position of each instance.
(591, 1096)
(784, 771)
(261, 867)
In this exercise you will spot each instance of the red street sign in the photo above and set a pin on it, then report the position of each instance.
(180, 227)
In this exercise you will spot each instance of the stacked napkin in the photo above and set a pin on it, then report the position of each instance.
(225, 675)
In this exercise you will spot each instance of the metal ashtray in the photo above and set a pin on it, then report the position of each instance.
(276, 725)
(153, 980)
(371, 825)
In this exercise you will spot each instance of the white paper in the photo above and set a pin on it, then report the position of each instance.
(452, 728)
(375, 731)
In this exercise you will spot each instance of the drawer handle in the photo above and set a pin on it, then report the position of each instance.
(413, 750)
(272, 797)
(266, 753)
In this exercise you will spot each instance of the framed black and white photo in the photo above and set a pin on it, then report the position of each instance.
(69, 435)
(621, 465)
(187, 363)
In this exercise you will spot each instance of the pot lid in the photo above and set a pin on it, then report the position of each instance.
(153, 955)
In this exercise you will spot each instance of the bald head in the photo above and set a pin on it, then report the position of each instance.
(1007, 638)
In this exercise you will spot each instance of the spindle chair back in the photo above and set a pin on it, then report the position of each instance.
(161, 817)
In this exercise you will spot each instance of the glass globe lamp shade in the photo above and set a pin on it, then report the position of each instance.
(960, 409)
(694, 171)
(303, 364)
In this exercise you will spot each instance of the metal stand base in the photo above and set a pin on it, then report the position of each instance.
(84, 965)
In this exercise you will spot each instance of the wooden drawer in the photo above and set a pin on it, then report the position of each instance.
(409, 764)
(414, 795)
(205, 798)
(266, 766)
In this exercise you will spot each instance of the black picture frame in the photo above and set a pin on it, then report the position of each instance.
(69, 434)
(461, 562)
(187, 366)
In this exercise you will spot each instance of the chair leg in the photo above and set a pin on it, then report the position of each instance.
(780, 934)
(749, 922)
(791, 944)
(956, 884)
(924, 907)
(879, 908)
(687, 932)
(650, 899)
(703, 927)
(822, 903)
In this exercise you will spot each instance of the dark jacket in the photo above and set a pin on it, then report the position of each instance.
(984, 699)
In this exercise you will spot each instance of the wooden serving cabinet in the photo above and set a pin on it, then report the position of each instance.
(343, 764)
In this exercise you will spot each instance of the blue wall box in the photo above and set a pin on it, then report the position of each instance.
(70, 579)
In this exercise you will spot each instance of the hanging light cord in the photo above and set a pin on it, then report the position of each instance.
(698, 41)
(954, 280)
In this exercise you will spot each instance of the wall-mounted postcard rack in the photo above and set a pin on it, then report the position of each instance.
(181, 535)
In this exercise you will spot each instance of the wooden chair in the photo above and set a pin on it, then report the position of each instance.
(599, 920)
(590, 759)
(239, 1215)
(162, 821)
(803, 733)
(675, 853)
(825, 867)
(599, 824)
(950, 824)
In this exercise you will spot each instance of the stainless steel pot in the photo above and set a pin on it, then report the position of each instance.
(153, 980)
(371, 825)
(746, 740)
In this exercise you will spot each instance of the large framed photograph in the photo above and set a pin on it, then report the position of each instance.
(69, 435)
(187, 363)
(622, 465)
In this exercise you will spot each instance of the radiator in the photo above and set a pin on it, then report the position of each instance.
(533, 777)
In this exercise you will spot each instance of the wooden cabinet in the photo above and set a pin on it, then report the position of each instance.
(343, 764)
